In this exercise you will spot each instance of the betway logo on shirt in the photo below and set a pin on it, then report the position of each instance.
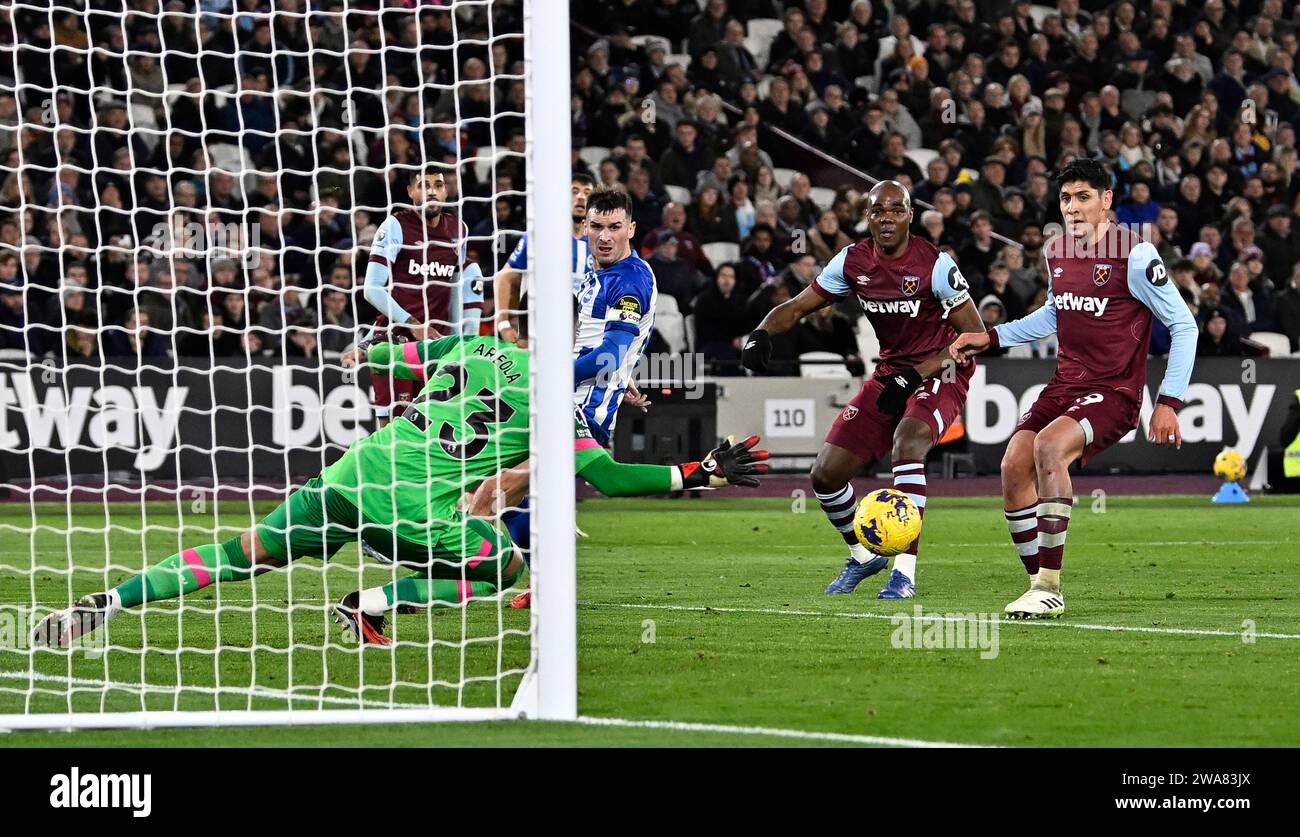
(1070, 301)
(445, 271)
(910, 307)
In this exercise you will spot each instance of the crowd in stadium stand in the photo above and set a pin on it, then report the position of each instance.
(723, 120)
(973, 105)
(123, 233)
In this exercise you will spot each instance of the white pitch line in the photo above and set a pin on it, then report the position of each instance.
(1036, 623)
(257, 692)
(776, 732)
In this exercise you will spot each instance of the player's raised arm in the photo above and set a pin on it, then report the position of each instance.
(1148, 282)
(505, 291)
(1027, 329)
(826, 289)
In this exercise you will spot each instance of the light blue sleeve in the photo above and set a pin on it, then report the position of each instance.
(470, 302)
(1035, 326)
(832, 279)
(385, 247)
(947, 283)
(519, 256)
(1149, 282)
(388, 240)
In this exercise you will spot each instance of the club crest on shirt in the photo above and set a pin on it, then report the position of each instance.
(1100, 274)
(910, 284)
(849, 412)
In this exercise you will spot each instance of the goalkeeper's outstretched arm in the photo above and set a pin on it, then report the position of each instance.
(732, 463)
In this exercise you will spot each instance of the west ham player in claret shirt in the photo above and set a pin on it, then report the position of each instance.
(418, 279)
(1105, 284)
(918, 302)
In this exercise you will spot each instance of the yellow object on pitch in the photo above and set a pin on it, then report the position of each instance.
(887, 521)
(1230, 465)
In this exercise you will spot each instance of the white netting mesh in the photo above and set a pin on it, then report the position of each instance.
(189, 195)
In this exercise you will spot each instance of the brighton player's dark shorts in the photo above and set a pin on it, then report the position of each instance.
(316, 522)
(1106, 417)
(863, 430)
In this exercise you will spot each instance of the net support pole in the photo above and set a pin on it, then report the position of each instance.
(546, 46)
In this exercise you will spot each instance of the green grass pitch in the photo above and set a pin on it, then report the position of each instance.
(710, 612)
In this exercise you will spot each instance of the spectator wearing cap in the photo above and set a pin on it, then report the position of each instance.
(1033, 129)
(1139, 86)
(986, 193)
(706, 72)
(721, 321)
(1218, 339)
(1282, 92)
(760, 258)
(1280, 244)
(1288, 310)
(1011, 217)
(655, 64)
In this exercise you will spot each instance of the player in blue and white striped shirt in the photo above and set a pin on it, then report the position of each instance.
(509, 286)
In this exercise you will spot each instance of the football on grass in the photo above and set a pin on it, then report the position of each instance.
(887, 521)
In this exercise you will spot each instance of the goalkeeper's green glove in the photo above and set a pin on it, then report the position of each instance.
(731, 463)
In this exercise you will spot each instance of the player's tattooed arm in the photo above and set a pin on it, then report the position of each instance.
(757, 350)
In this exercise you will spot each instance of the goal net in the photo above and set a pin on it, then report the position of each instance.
(198, 207)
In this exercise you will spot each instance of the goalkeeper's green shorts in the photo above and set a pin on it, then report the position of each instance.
(316, 522)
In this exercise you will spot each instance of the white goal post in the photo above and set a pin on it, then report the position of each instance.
(113, 466)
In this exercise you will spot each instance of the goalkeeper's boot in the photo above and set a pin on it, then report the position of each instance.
(374, 554)
(855, 572)
(523, 601)
(63, 627)
(899, 586)
(360, 626)
(1037, 603)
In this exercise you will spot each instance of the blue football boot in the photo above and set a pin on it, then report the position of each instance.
(899, 586)
(854, 572)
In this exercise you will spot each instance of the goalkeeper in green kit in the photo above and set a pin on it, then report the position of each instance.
(400, 487)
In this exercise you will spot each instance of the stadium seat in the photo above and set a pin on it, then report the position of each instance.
(1278, 345)
(679, 194)
(690, 332)
(144, 123)
(235, 160)
(670, 323)
(868, 345)
(486, 155)
(17, 355)
(822, 196)
(1040, 13)
(592, 155)
(783, 177)
(763, 86)
(721, 252)
(682, 58)
(921, 156)
(822, 365)
(1020, 352)
(761, 32)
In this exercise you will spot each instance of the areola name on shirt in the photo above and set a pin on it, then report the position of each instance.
(503, 362)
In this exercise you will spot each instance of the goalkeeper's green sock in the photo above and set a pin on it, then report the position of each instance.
(419, 591)
(187, 571)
